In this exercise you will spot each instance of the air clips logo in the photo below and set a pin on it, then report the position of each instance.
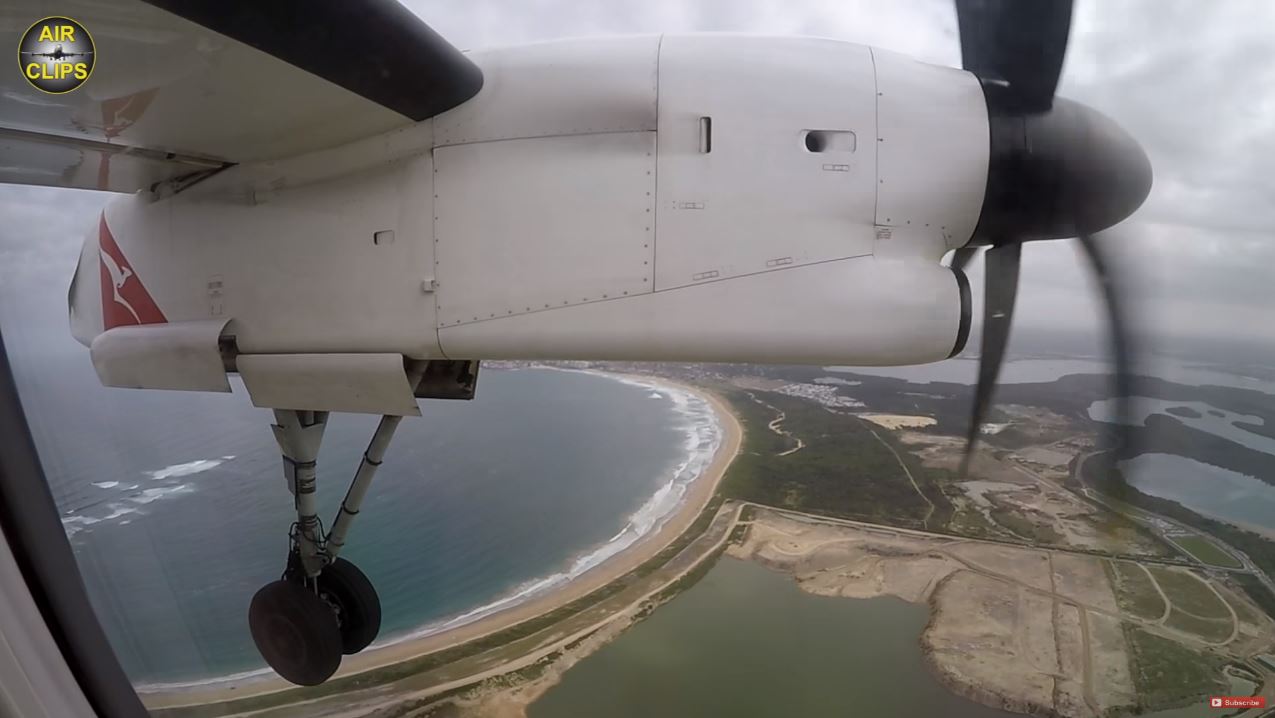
(56, 55)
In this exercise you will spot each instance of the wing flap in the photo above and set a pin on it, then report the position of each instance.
(50, 160)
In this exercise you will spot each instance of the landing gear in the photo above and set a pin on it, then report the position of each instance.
(324, 607)
(295, 632)
(302, 626)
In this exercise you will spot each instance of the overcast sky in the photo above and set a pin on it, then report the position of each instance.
(1193, 80)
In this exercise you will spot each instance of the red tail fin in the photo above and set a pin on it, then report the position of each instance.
(125, 300)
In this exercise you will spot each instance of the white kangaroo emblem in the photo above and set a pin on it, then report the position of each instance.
(119, 275)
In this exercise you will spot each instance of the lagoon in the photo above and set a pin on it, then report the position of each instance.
(747, 642)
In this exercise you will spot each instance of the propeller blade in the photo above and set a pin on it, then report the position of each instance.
(1121, 343)
(1000, 290)
(963, 256)
(1018, 42)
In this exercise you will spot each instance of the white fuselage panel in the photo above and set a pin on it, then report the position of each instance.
(740, 193)
(932, 149)
(530, 225)
(716, 197)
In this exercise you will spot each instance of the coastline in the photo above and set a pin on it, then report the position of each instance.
(698, 492)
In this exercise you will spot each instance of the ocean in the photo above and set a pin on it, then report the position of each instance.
(177, 510)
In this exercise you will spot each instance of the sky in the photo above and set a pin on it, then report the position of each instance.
(1193, 81)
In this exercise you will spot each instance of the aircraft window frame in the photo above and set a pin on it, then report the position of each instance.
(31, 527)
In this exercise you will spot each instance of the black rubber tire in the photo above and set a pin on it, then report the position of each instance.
(295, 632)
(354, 600)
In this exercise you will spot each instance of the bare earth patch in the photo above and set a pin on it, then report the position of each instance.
(1069, 689)
(972, 644)
(1082, 578)
(1112, 683)
(899, 421)
(1025, 500)
(1005, 626)
(1026, 566)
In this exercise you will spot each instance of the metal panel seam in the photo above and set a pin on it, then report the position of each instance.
(656, 291)
(433, 226)
(655, 200)
(876, 134)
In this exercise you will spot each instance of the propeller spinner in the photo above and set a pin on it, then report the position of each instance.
(1057, 169)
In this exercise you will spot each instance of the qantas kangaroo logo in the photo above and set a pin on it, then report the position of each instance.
(125, 300)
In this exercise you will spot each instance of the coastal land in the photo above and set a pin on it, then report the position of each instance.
(1053, 586)
(204, 698)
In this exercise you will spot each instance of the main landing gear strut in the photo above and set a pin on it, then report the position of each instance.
(323, 606)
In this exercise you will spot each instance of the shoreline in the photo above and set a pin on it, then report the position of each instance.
(699, 492)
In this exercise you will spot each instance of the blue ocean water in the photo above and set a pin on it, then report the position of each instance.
(177, 509)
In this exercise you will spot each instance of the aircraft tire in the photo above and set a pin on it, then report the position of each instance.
(296, 632)
(352, 597)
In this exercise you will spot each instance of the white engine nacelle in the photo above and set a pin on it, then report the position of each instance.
(713, 198)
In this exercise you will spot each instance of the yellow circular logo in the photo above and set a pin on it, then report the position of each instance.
(56, 55)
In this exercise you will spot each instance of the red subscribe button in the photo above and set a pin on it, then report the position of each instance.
(1237, 702)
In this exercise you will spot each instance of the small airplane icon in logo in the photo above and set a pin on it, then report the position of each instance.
(58, 54)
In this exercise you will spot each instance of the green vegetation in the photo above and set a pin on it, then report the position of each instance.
(969, 521)
(1015, 437)
(842, 471)
(690, 578)
(1189, 593)
(1257, 591)
(1243, 609)
(1206, 551)
(443, 705)
(1167, 673)
(1212, 630)
(1025, 527)
(1134, 592)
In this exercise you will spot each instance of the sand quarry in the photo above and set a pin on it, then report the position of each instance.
(899, 421)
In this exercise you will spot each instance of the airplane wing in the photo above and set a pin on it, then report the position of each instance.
(184, 88)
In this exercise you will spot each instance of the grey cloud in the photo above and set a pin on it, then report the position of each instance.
(43, 226)
(41, 230)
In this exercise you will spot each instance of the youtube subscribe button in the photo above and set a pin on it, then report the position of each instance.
(1237, 702)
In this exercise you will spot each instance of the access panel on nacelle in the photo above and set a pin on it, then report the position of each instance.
(528, 225)
(741, 190)
(931, 151)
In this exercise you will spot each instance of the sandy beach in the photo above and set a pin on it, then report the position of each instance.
(697, 497)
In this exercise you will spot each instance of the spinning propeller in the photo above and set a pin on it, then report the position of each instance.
(1057, 169)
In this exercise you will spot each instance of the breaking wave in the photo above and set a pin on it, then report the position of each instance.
(702, 433)
(186, 469)
(703, 436)
(75, 521)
